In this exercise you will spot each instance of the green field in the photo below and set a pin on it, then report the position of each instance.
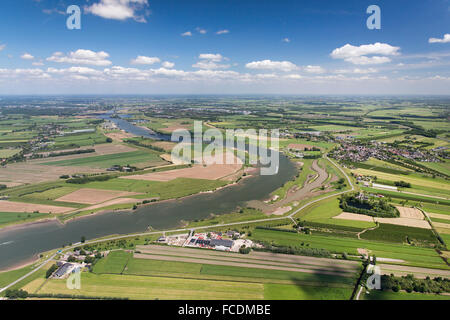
(414, 256)
(324, 211)
(14, 217)
(8, 153)
(107, 161)
(119, 275)
(390, 295)
(292, 292)
(443, 167)
(115, 262)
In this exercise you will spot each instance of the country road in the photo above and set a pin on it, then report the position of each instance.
(189, 229)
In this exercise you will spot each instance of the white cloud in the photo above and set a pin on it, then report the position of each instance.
(2, 46)
(287, 40)
(210, 61)
(118, 9)
(187, 34)
(368, 60)
(356, 71)
(293, 76)
(285, 66)
(210, 65)
(225, 31)
(445, 39)
(201, 30)
(216, 57)
(82, 56)
(27, 56)
(75, 70)
(38, 63)
(168, 64)
(366, 54)
(145, 60)
(314, 69)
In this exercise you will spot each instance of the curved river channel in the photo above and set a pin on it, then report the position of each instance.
(20, 244)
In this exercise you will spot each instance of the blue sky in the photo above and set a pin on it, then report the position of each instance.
(228, 46)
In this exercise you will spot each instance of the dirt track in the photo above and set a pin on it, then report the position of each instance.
(296, 195)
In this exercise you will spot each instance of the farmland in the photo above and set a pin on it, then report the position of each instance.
(121, 275)
(75, 164)
(136, 158)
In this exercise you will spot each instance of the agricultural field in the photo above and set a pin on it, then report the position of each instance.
(121, 275)
(413, 256)
(135, 158)
(48, 174)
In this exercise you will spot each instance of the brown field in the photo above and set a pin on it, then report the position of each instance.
(113, 202)
(297, 146)
(417, 271)
(282, 210)
(175, 127)
(93, 196)
(22, 173)
(101, 149)
(407, 222)
(410, 213)
(119, 136)
(10, 206)
(167, 157)
(166, 145)
(354, 217)
(212, 172)
(439, 216)
(200, 171)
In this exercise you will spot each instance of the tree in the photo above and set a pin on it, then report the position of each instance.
(83, 239)
(51, 270)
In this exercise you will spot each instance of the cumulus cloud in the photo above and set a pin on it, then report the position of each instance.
(445, 39)
(285, 66)
(287, 40)
(27, 56)
(168, 64)
(119, 9)
(366, 54)
(356, 71)
(314, 69)
(224, 31)
(38, 63)
(210, 65)
(216, 57)
(187, 34)
(82, 56)
(201, 30)
(145, 60)
(210, 61)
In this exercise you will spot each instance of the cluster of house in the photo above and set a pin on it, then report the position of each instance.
(357, 152)
(229, 241)
(73, 261)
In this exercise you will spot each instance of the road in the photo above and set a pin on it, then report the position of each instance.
(290, 216)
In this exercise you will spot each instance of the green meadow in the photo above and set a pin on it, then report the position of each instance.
(107, 161)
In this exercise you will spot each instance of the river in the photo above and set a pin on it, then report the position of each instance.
(20, 244)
